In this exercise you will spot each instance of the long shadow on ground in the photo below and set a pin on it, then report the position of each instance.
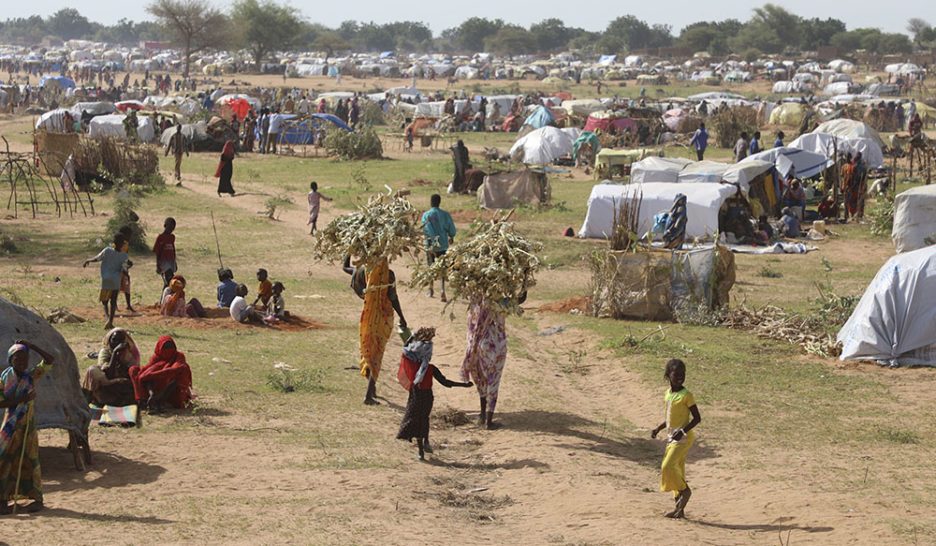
(641, 450)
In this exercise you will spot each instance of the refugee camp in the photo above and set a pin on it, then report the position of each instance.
(277, 273)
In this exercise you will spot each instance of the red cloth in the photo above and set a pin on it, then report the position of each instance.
(164, 248)
(407, 373)
(227, 154)
(166, 364)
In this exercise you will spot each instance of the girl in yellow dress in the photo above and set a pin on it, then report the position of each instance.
(682, 415)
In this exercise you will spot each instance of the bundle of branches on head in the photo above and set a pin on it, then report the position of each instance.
(385, 228)
(494, 263)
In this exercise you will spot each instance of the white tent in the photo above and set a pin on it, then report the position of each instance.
(787, 87)
(542, 146)
(657, 169)
(582, 107)
(53, 120)
(806, 163)
(849, 128)
(743, 173)
(822, 143)
(703, 201)
(112, 126)
(840, 88)
(893, 321)
(914, 218)
(98, 108)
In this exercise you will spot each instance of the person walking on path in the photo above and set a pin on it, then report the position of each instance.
(700, 141)
(178, 144)
(225, 169)
(440, 233)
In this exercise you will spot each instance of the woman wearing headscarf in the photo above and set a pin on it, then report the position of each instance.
(460, 158)
(165, 380)
(173, 302)
(108, 383)
(225, 169)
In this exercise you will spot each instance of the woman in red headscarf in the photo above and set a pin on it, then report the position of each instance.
(165, 380)
(226, 169)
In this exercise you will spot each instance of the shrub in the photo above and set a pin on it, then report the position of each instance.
(728, 125)
(276, 202)
(124, 215)
(361, 144)
(882, 216)
(372, 113)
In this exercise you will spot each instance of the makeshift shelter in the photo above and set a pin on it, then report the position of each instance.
(703, 201)
(96, 108)
(657, 169)
(609, 160)
(540, 117)
(58, 82)
(112, 126)
(607, 121)
(586, 138)
(849, 128)
(893, 321)
(788, 86)
(828, 145)
(236, 107)
(914, 219)
(807, 164)
(53, 120)
(674, 117)
(302, 130)
(582, 107)
(542, 146)
(788, 113)
(59, 401)
(197, 135)
(505, 190)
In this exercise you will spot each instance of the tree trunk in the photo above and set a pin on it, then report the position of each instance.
(188, 58)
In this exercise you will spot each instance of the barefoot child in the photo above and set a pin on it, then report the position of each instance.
(682, 415)
(19, 441)
(416, 374)
(276, 308)
(165, 252)
(112, 261)
(125, 269)
(315, 201)
(240, 311)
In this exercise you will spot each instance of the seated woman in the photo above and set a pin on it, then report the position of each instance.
(166, 380)
(795, 198)
(789, 224)
(108, 383)
(173, 301)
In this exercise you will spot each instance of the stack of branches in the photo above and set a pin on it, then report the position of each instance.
(729, 123)
(496, 264)
(385, 228)
(625, 222)
(131, 162)
(770, 322)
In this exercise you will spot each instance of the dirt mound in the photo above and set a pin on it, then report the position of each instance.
(217, 319)
(564, 306)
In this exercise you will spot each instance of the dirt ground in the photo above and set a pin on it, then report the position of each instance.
(566, 467)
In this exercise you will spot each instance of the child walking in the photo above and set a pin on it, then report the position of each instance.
(682, 415)
(315, 202)
(416, 374)
(112, 259)
(20, 475)
(125, 269)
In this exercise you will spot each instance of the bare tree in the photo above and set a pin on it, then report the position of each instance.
(193, 24)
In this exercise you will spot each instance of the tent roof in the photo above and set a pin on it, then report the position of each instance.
(914, 218)
(895, 316)
(849, 128)
(657, 169)
(822, 143)
(542, 146)
(806, 163)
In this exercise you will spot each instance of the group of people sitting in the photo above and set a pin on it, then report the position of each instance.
(119, 380)
(268, 307)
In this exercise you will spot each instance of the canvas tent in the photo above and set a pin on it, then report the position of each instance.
(112, 126)
(849, 128)
(543, 146)
(505, 190)
(703, 202)
(59, 400)
(827, 145)
(807, 164)
(658, 169)
(914, 218)
(540, 117)
(789, 113)
(893, 321)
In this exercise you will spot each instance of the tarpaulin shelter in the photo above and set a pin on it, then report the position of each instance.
(112, 126)
(703, 201)
(788, 113)
(302, 130)
(608, 158)
(236, 107)
(893, 321)
(540, 117)
(657, 169)
(605, 121)
(914, 218)
(543, 146)
(505, 190)
(96, 108)
(125, 105)
(807, 164)
(849, 128)
(587, 137)
(60, 82)
(828, 145)
(53, 120)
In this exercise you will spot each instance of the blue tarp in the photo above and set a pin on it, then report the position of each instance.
(66, 83)
(540, 117)
(386, 54)
(332, 71)
(303, 132)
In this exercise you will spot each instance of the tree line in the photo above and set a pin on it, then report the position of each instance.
(264, 26)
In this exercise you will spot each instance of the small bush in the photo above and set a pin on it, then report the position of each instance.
(124, 215)
(372, 113)
(882, 216)
(7, 245)
(287, 380)
(728, 125)
(275, 203)
(766, 271)
(361, 144)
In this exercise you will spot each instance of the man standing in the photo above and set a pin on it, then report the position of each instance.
(264, 129)
(179, 145)
(276, 120)
(304, 106)
(700, 141)
(741, 147)
(440, 233)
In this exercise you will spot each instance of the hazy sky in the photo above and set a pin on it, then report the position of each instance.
(889, 16)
